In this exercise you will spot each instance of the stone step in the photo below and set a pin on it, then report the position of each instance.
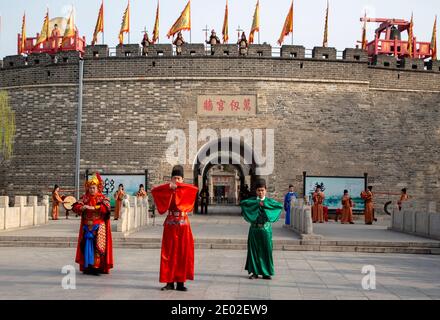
(237, 246)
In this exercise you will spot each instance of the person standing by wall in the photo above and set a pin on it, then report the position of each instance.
(204, 197)
(347, 208)
(119, 196)
(368, 197)
(179, 42)
(403, 197)
(287, 201)
(318, 206)
(56, 201)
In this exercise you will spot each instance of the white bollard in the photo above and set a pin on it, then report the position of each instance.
(308, 220)
(147, 211)
(4, 204)
(45, 203)
(33, 202)
(20, 201)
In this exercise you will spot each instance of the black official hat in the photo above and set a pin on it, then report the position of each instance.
(177, 171)
(261, 183)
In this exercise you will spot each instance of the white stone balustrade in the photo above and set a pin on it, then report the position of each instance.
(301, 217)
(134, 214)
(422, 219)
(25, 213)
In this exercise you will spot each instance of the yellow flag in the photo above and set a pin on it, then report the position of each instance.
(364, 33)
(23, 35)
(70, 30)
(325, 41)
(411, 38)
(183, 22)
(156, 25)
(99, 24)
(125, 26)
(288, 25)
(44, 35)
(434, 40)
(255, 23)
(225, 30)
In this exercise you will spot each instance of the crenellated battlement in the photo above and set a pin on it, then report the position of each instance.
(223, 50)
(290, 63)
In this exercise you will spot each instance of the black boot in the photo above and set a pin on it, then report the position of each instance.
(91, 271)
(267, 277)
(181, 287)
(169, 286)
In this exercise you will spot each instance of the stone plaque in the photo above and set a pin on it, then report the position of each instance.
(221, 106)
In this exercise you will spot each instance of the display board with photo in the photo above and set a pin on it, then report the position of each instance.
(333, 188)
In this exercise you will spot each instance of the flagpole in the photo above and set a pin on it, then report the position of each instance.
(103, 41)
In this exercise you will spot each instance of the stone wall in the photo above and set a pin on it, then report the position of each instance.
(338, 117)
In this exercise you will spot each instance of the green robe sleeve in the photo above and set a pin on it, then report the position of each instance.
(252, 212)
(249, 209)
(272, 209)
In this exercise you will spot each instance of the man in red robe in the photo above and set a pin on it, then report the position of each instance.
(94, 252)
(177, 255)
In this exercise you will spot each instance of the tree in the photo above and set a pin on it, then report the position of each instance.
(7, 126)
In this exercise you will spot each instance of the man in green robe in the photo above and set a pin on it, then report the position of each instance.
(260, 212)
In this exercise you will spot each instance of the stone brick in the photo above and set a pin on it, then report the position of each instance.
(412, 64)
(159, 50)
(383, 60)
(193, 49)
(296, 52)
(355, 55)
(323, 53)
(224, 50)
(96, 51)
(67, 57)
(14, 61)
(434, 65)
(260, 50)
(128, 50)
(36, 59)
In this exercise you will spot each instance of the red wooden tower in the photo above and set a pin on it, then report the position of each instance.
(388, 40)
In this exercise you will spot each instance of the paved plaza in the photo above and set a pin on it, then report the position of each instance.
(33, 268)
(35, 273)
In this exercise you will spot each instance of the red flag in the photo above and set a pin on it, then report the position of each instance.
(288, 25)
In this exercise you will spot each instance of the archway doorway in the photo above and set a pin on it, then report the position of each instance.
(226, 167)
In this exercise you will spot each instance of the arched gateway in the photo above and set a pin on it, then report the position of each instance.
(226, 151)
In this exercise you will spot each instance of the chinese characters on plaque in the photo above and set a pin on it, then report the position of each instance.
(227, 105)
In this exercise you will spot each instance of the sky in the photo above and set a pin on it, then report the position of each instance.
(344, 24)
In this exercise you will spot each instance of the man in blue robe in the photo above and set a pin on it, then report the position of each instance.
(287, 200)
